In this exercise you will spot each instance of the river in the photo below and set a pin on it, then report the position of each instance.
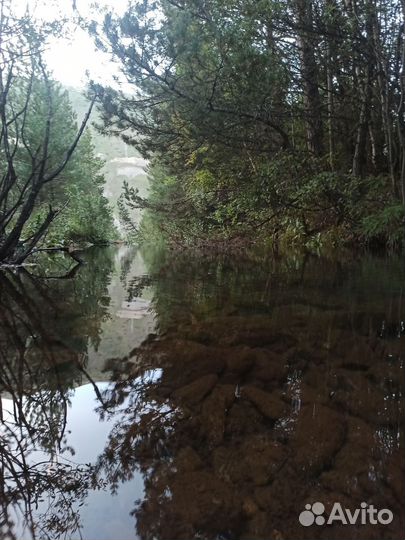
(159, 395)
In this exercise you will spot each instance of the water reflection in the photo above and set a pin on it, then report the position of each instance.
(238, 390)
(54, 321)
(42, 357)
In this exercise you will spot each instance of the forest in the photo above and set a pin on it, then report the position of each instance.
(263, 120)
(202, 308)
(272, 122)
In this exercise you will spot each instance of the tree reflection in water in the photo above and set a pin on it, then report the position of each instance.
(237, 421)
(268, 386)
(44, 330)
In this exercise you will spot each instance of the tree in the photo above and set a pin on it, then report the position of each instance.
(28, 167)
(306, 43)
(227, 91)
(200, 76)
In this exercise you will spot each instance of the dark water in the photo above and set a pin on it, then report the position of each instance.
(163, 396)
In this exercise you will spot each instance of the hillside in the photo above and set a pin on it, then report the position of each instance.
(122, 162)
(108, 147)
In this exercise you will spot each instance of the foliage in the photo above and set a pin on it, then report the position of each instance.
(130, 229)
(80, 196)
(289, 200)
(108, 147)
(263, 118)
(43, 165)
(385, 226)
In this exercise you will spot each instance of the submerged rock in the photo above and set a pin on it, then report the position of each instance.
(240, 360)
(270, 406)
(199, 501)
(269, 367)
(268, 419)
(319, 434)
(188, 460)
(194, 392)
(214, 411)
(185, 361)
(255, 462)
(356, 394)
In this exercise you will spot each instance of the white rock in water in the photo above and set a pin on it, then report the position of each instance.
(137, 303)
(127, 314)
(136, 309)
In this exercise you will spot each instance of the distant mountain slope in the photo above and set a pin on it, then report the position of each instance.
(123, 162)
(109, 147)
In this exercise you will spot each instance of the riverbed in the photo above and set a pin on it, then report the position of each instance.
(151, 394)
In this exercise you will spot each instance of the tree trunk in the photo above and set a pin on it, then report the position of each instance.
(360, 151)
(330, 54)
(331, 138)
(309, 75)
(401, 111)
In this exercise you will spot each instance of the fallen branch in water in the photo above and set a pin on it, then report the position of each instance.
(65, 249)
(23, 265)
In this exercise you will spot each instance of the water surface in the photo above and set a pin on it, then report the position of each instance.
(157, 395)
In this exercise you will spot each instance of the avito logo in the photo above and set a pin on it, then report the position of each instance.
(367, 514)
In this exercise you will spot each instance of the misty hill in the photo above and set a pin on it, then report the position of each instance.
(109, 147)
(122, 162)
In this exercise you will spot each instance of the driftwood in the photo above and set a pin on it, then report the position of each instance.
(69, 275)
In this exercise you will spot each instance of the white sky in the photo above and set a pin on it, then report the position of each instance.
(70, 58)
